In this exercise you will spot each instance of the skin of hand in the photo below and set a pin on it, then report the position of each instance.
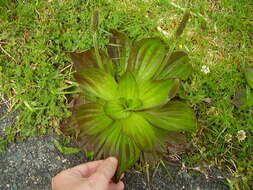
(94, 175)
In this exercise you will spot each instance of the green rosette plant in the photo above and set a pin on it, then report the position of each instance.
(129, 109)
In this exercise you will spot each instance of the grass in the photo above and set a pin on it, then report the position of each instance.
(37, 76)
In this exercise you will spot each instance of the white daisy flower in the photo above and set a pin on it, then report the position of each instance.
(241, 135)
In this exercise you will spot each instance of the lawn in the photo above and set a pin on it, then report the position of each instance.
(37, 75)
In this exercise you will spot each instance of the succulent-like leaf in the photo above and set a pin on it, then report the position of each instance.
(119, 50)
(113, 142)
(92, 119)
(173, 116)
(98, 83)
(146, 57)
(84, 60)
(177, 66)
(129, 154)
(128, 87)
(87, 60)
(153, 93)
(107, 63)
(112, 132)
(249, 76)
(140, 131)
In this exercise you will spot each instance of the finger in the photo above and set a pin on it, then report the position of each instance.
(104, 173)
(108, 168)
(86, 169)
(118, 186)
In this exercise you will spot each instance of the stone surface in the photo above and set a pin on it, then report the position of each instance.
(6, 119)
(163, 180)
(31, 164)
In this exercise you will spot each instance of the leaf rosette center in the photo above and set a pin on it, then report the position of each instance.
(121, 108)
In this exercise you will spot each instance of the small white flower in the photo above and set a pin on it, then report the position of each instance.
(228, 137)
(241, 135)
(205, 69)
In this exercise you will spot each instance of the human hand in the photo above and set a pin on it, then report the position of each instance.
(94, 175)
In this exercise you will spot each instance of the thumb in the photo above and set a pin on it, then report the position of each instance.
(102, 177)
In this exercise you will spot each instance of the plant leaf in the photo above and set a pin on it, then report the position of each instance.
(66, 150)
(177, 66)
(98, 83)
(87, 60)
(249, 76)
(107, 63)
(140, 131)
(128, 87)
(146, 57)
(119, 49)
(174, 116)
(129, 154)
(114, 143)
(92, 119)
(176, 143)
(84, 60)
(153, 93)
